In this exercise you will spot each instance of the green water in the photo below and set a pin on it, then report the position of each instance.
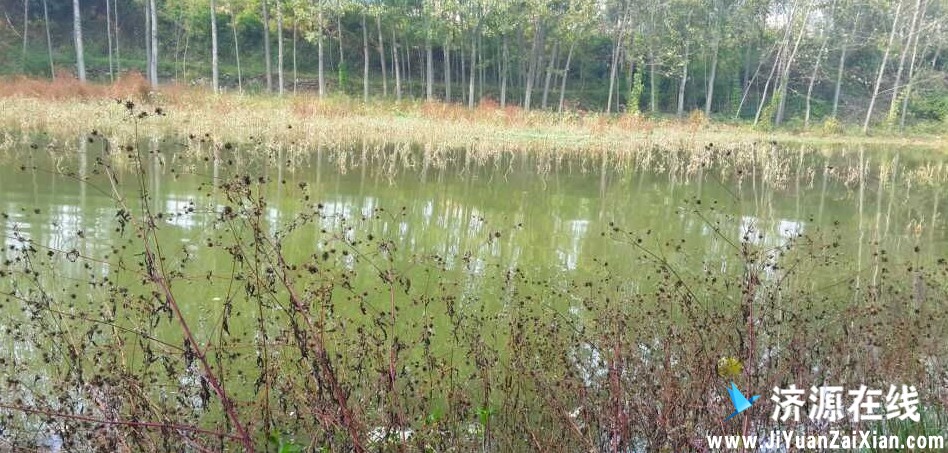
(455, 232)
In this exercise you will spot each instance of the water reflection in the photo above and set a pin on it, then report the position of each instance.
(501, 210)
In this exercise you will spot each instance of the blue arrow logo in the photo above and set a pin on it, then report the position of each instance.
(740, 402)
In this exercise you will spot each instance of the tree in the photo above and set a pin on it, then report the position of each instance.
(153, 55)
(77, 39)
(279, 11)
(266, 44)
(215, 70)
(49, 42)
(885, 59)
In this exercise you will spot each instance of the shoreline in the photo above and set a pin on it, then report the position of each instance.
(307, 120)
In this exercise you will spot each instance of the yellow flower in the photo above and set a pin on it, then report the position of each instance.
(729, 367)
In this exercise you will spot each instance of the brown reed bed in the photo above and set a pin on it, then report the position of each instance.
(65, 108)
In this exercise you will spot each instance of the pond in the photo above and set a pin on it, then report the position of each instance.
(387, 295)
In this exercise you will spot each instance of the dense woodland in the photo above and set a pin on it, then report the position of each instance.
(772, 62)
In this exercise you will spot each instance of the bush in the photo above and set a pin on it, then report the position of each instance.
(832, 126)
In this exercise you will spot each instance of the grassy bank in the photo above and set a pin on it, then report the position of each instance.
(66, 108)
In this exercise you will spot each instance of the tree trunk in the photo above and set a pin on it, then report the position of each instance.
(842, 65)
(481, 66)
(613, 68)
(785, 74)
(26, 34)
(684, 82)
(398, 71)
(896, 86)
(549, 74)
(463, 62)
(215, 71)
(470, 87)
(148, 41)
(115, 34)
(505, 66)
(279, 8)
(447, 69)
(233, 15)
(319, 37)
(365, 62)
(341, 70)
(296, 79)
(429, 63)
(809, 89)
(108, 36)
(652, 81)
(885, 60)
(714, 69)
(911, 74)
(763, 95)
(49, 42)
(534, 62)
(266, 45)
(154, 43)
(378, 25)
(569, 58)
(77, 39)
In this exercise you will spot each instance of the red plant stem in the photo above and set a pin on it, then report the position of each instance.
(338, 392)
(155, 271)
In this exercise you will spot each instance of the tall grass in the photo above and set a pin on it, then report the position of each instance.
(67, 108)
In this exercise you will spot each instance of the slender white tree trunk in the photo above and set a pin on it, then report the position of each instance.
(714, 69)
(652, 80)
(549, 75)
(296, 79)
(684, 82)
(378, 25)
(279, 8)
(896, 86)
(885, 60)
(613, 68)
(569, 58)
(215, 70)
(322, 76)
(266, 44)
(429, 63)
(49, 42)
(154, 43)
(911, 74)
(447, 69)
(365, 64)
(115, 30)
(505, 67)
(397, 69)
(534, 63)
(108, 36)
(26, 34)
(470, 87)
(842, 65)
(233, 15)
(813, 76)
(77, 39)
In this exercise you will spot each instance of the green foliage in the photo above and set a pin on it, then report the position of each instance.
(342, 72)
(766, 121)
(932, 108)
(282, 443)
(637, 91)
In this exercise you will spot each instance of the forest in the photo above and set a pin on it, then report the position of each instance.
(765, 61)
